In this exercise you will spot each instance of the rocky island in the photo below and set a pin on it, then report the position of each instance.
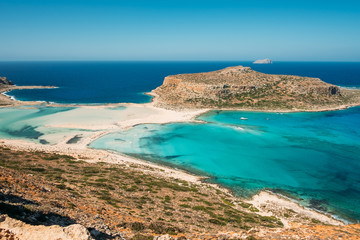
(263, 61)
(245, 89)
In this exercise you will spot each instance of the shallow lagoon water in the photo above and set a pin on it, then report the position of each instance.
(51, 125)
(27, 122)
(313, 157)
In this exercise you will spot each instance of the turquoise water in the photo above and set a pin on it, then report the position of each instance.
(313, 157)
(30, 123)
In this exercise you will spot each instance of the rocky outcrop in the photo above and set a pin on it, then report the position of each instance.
(242, 87)
(4, 81)
(22, 231)
(7, 85)
(263, 61)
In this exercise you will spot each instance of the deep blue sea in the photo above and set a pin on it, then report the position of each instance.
(110, 82)
(312, 157)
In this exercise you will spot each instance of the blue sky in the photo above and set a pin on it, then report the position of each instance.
(180, 30)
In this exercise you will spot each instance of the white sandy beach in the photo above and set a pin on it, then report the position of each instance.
(269, 203)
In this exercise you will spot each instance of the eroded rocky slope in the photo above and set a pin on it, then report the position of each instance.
(241, 87)
(5, 81)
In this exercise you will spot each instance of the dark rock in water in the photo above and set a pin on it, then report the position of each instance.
(4, 81)
(26, 131)
(43, 141)
(318, 204)
(74, 139)
(173, 156)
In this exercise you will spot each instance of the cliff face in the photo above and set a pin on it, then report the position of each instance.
(243, 87)
(4, 81)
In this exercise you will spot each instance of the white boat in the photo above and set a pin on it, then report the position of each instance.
(243, 118)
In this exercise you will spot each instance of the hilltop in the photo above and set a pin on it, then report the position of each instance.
(243, 88)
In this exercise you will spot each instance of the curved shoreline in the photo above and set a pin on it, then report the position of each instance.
(278, 203)
(9, 101)
(82, 151)
(265, 196)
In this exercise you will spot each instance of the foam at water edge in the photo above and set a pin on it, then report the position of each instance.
(11, 97)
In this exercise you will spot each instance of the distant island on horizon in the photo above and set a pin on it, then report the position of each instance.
(263, 61)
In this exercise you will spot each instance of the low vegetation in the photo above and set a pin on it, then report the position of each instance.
(122, 197)
(130, 202)
(243, 88)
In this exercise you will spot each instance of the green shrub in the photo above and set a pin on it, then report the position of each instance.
(137, 226)
(61, 186)
(157, 227)
(227, 202)
(142, 237)
(245, 205)
(199, 208)
(185, 205)
(216, 221)
(251, 238)
(315, 221)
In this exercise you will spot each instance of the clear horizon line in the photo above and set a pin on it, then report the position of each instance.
(164, 60)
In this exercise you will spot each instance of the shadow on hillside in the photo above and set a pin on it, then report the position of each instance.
(21, 209)
(33, 217)
(15, 199)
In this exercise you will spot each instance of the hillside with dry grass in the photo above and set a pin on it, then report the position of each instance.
(243, 88)
(117, 201)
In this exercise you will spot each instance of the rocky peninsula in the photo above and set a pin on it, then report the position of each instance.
(7, 85)
(242, 88)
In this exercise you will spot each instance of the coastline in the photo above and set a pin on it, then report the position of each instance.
(268, 203)
(156, 102)
(81, 151)
(9, 101)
